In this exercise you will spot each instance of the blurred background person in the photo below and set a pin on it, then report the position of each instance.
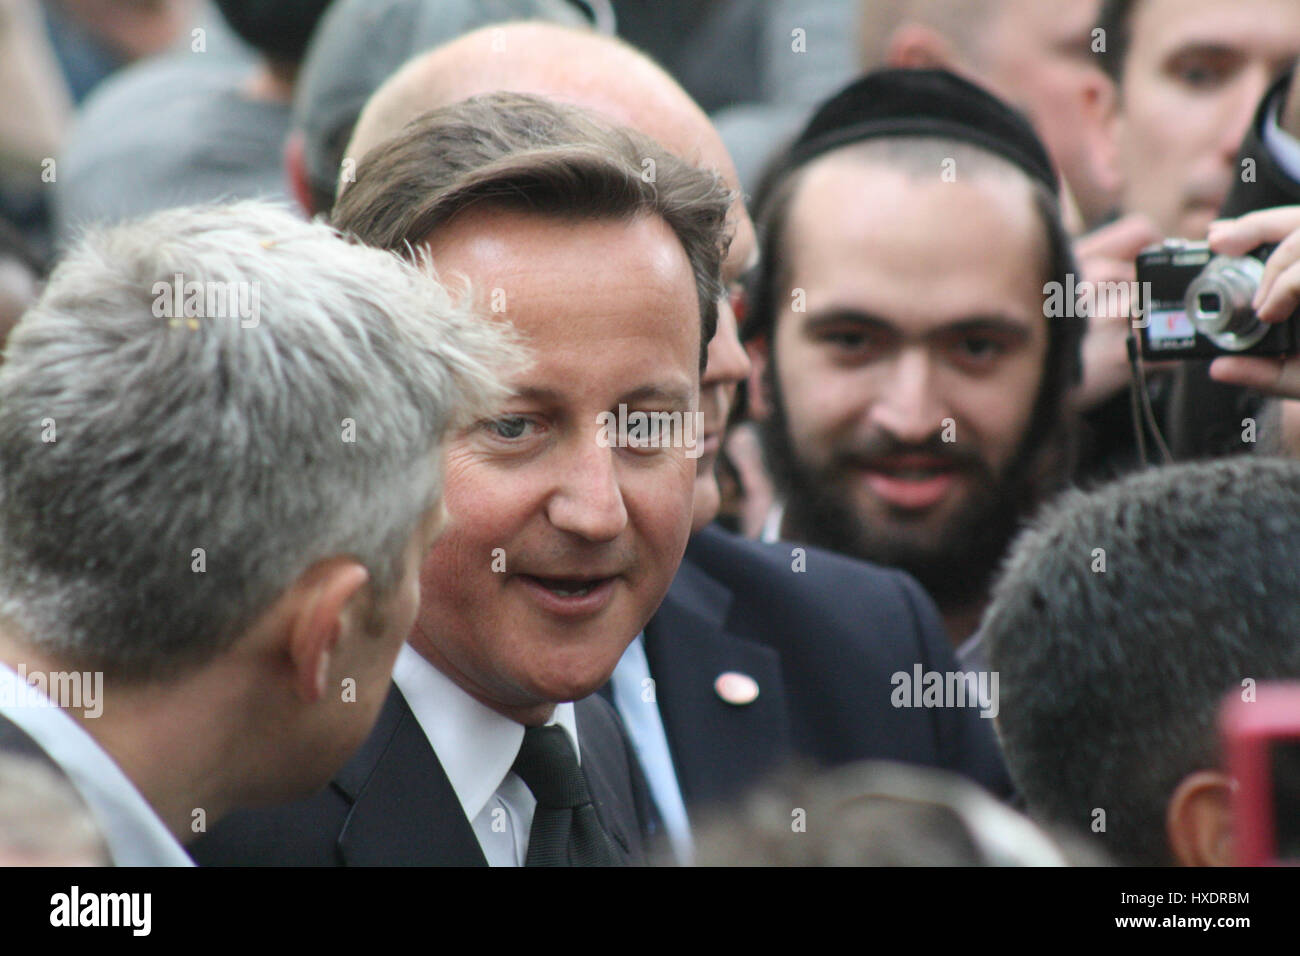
(1190, 75)
(53, 56)
(877, 814)
(94, 38)
(199, 125)
(1037, 55)
(359, 45)
(38, 106)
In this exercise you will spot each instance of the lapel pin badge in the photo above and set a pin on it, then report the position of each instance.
(736, 688)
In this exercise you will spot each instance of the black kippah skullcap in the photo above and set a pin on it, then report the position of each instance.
(922, 103)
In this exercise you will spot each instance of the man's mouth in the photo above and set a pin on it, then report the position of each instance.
(911, 482)
(567, 587)
(569, 595)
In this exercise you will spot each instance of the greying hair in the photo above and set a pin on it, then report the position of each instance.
(131, 437)
(1121, 621)
(524, 152)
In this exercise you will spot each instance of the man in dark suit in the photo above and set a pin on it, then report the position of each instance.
(393, 805)
(189, 625)
(748, 661)
(569, 519)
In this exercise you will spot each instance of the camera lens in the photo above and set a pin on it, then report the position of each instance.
(1218, 302)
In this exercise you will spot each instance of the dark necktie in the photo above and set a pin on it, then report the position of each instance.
(566, 830)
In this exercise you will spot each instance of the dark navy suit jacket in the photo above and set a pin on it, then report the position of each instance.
(823, 645)
(392, 804)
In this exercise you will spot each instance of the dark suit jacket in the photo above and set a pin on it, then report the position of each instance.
(822, 644)
(1204, 415)
(392, 804)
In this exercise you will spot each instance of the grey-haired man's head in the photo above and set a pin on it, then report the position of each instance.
(221, 428)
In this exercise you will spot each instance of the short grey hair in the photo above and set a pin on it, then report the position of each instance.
(523, 152)
(1130, 658)
(129, 440)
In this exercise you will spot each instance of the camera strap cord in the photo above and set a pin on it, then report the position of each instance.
(1140, 405)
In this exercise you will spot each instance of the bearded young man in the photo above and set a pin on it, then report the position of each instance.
(910, 383)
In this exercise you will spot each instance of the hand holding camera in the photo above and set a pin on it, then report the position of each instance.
(1274, 300)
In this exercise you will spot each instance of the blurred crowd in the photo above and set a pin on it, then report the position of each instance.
(606, 432)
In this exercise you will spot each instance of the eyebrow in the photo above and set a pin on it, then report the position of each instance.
(542, 396)
(1203, 48)
(668, 394)
(655, 392)
(996, 323)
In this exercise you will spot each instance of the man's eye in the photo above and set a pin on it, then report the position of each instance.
(1200, 74)
(978, 350)
(1199, 77)
(846, 339)
(509, 427)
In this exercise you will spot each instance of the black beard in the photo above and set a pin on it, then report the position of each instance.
(956, 570)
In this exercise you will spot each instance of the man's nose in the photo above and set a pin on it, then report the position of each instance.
(909, 405)
(1240, 108)
(588, 501)
(728, 362)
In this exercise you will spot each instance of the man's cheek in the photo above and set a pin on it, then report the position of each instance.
(666, 505)
(828, 420)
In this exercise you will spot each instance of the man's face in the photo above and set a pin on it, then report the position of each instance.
(728, 365)
(559, 549)
(1193, 78)
(1037, 54)
(906, 386)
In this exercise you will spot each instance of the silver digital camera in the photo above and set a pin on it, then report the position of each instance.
(1196, 305)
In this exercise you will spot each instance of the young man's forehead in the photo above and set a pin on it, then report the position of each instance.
(1173, 25)
(831, 184)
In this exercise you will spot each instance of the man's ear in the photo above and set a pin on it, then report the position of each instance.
(1198, 820)
(756, 390)
(1101, 111)
(295, 170)
(318, 622)
(914, 46)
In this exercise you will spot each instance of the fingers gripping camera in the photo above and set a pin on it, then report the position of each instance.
(1197, 305)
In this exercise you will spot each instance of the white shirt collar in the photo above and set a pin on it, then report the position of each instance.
(1280, 143)
(134, 833)
(771, 532)
(475, 745)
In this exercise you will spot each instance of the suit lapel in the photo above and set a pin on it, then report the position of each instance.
(717, 747)
(605, 758)
(404, 810)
